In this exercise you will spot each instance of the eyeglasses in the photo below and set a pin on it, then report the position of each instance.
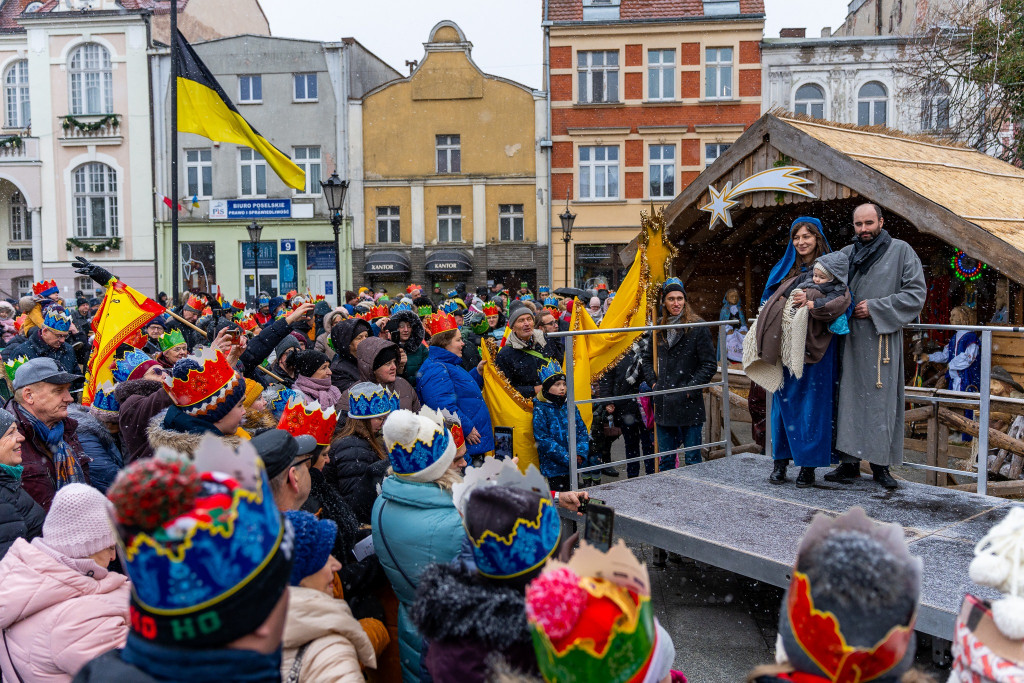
(308, 459)
(158, 370)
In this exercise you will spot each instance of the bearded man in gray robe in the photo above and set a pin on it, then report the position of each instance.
(888, 288)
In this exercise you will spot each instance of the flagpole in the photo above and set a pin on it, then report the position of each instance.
(175, 251)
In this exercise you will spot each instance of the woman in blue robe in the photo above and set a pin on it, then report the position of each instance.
(802, 408)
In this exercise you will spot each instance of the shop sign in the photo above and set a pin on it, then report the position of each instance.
(289, 272)
(320, 255)
(248, 209)
(267, 256)
(385, 268)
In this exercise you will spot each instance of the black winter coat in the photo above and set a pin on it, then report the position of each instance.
(355, 472)
(141, 400)
(522, 368)
(260, 347)
(471, 351)
(687, 362)
(344, 367)
(616, 382)
(20, 515)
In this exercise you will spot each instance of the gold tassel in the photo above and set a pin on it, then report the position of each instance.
(878, 365)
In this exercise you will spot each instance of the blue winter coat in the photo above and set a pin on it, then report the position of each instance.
(551, 432)
(100, 445)
(414, 526)
(445, 384)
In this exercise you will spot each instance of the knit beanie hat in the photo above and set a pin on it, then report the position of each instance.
(314, 539)
(78, 523)
(289, 342)
(308, 362)
(384, 356)
(205, 386)
(419, 449)
(673, 284)
(6, 420)
(253, 391)
(518, 311)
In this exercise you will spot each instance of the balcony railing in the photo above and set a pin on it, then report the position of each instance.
(18, 147)
(90, 129)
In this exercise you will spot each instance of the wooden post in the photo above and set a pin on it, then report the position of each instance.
(932, 453)
(185, 322)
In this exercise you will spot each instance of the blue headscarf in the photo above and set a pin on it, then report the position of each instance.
(782, 268)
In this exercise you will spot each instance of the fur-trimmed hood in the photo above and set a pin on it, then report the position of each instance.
(416, 338)
(136, 387)
(88, 425)
(182, 442)
(259, 419)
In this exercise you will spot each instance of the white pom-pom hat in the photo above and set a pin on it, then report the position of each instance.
(419, 448)
(999, 563)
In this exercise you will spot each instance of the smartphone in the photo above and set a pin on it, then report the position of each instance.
(585, 503)
(503, 445)
(599, 526)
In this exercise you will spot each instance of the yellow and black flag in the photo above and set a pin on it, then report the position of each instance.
(205, 109)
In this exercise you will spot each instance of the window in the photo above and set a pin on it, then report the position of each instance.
(712, 151)
(810, 100)
(23, 286)
(388, 228)
(449, 154)
(935, 107)
(252, 170)
(16, 95)
(250, 89)
(663, 171)
(95, 194)
(661, 74)
(713, 8)
(21, 229)
(305, 88)
(718, 73)
(449, 223)
(308, 159)
(598, 76)
(510, 222)
(86, 285)
(599, 172)
(92, 82)
(872, 104)
(199, 173)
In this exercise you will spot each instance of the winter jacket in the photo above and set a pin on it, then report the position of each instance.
(521, 361)
(140, 400)
(35, 347)
(259, 348)
(178, 437)
(102, 447)
(20, 515)
(39, 476)
(56, 618)
(344, 366)
(551, 432)
(337, 648)
(367, 352)
(688, 361)
(445, 384)
(355, 471)
(467, 619)
(620, 380)
(471, 351)
(414, 525)
(415, 350)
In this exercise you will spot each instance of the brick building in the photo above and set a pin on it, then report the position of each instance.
(644, 95)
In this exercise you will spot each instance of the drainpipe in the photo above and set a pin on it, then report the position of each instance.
(346, 226)
(547, 96)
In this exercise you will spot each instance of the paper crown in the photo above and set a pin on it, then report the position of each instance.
(448, 306)
(452, 293)
(424, 311)
(375, 313)
(544, 290)
(201, 383)
(57, 319)
(448, 420)
(45, 288)
(195, 303)
(437, 323)
(551, 301)
(400, 306)
(491, 309)
(238, 305)
(526, 297)
(319, 297)
(248, 324)
(205, 547)
(591, 619)
(169, 340)
(11, 366)
(264, 301)
(103, 400)
(367, 400)
(550, 369)
(301, 418)
(291, 295)
(279, 397)
(127, 362)
(419, 448)
(411, 288)
(496, 472)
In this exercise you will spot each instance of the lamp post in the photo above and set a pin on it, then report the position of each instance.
(255, 230)
(567, 218)
(334, 192)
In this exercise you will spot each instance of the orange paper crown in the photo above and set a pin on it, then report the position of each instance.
(300, 418)
(247, 324)
(319, 297)
(45, 288)
(240, 305)
(440, 322)
(200, 384)
(291, 295)
(375, 313)
(491, 309)
(196, 303)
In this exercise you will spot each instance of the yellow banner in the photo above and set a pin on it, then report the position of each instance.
(508, 408)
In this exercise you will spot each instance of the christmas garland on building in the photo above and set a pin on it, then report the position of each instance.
(70, 121)
(113, 244)
(14, 141)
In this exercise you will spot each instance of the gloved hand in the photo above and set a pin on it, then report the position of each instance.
(99, 275)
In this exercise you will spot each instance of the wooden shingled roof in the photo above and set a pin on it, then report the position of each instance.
(964, 197)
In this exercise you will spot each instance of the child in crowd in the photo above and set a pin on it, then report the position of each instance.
(551, 431)
(826, 280)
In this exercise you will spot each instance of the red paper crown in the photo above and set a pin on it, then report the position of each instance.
(411, 288)
(491, 309)
(40, 288)
(240, 305)
(200, 385)
(137, 339)
(319, 298)
(248, 324)
(375, 313)
(440, 322)
(457, 435)
(299, 418)
(291, 295)
(207, 311)
(196, 303)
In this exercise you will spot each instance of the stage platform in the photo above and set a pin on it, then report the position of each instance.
(726, 514)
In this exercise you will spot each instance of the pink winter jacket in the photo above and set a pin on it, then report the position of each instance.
(55, 618)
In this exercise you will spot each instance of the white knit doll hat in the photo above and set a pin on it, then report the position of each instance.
(78, 523)
(999, 563)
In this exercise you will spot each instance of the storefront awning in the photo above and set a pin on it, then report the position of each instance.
(384, 263)
(449, 262)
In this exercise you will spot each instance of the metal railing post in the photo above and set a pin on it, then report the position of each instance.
(726, 423)
(983, 410)
(570, 402)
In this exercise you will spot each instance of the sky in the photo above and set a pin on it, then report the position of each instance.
(506, 34)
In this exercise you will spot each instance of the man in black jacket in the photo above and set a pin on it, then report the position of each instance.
(525, 352)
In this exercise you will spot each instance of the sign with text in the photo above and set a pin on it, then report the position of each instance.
(289, 272)
(320, 255)
(248, 209)
(267, 255)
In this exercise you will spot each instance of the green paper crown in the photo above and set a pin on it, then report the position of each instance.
(425, 310)
(12, 366)
(171, 339)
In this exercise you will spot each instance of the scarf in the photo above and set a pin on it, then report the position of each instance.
(319, 389)
(67, 467)
(673, 334)
(201, 666)
(13, 470)
(866, 255)
(83, 565)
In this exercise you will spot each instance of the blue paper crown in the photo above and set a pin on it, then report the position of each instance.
(526, 297)
(547, 371)
(264, 301)
(530, 544)
(57, 319)
(551, 301)
(544, 290)
(126, 364)
(449, 307)
(452, 294)
(366, 400)
(407, 460)
(103, 400)
(279, 400)
(400, 306)
(672, 281)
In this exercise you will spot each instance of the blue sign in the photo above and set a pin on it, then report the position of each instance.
(320, 255)
(329, 288)
(246, 209)
(287, 245)
(268, 256)
(289, 272)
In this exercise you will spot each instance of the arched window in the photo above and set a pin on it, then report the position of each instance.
(33, 7)
(935, 107)
(92, 82)
(21, 230)
(16, 94)
(95, 193)
(872, 104)
(810, 100)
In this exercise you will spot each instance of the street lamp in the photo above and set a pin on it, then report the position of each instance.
(334, 192)
(255, 230)
(567, 218)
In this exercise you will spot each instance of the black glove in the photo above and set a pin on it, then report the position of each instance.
(100, 275)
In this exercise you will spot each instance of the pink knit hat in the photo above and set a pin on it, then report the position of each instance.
(78, 523)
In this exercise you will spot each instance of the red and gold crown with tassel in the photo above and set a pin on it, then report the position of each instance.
(212, 374)
(491, 309)
(45, 288)
(309, 418)
(440, 322)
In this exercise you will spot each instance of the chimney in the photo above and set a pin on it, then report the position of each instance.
(793, 33)
(826, 32)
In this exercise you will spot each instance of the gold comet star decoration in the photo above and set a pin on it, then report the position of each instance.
(782, 179)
